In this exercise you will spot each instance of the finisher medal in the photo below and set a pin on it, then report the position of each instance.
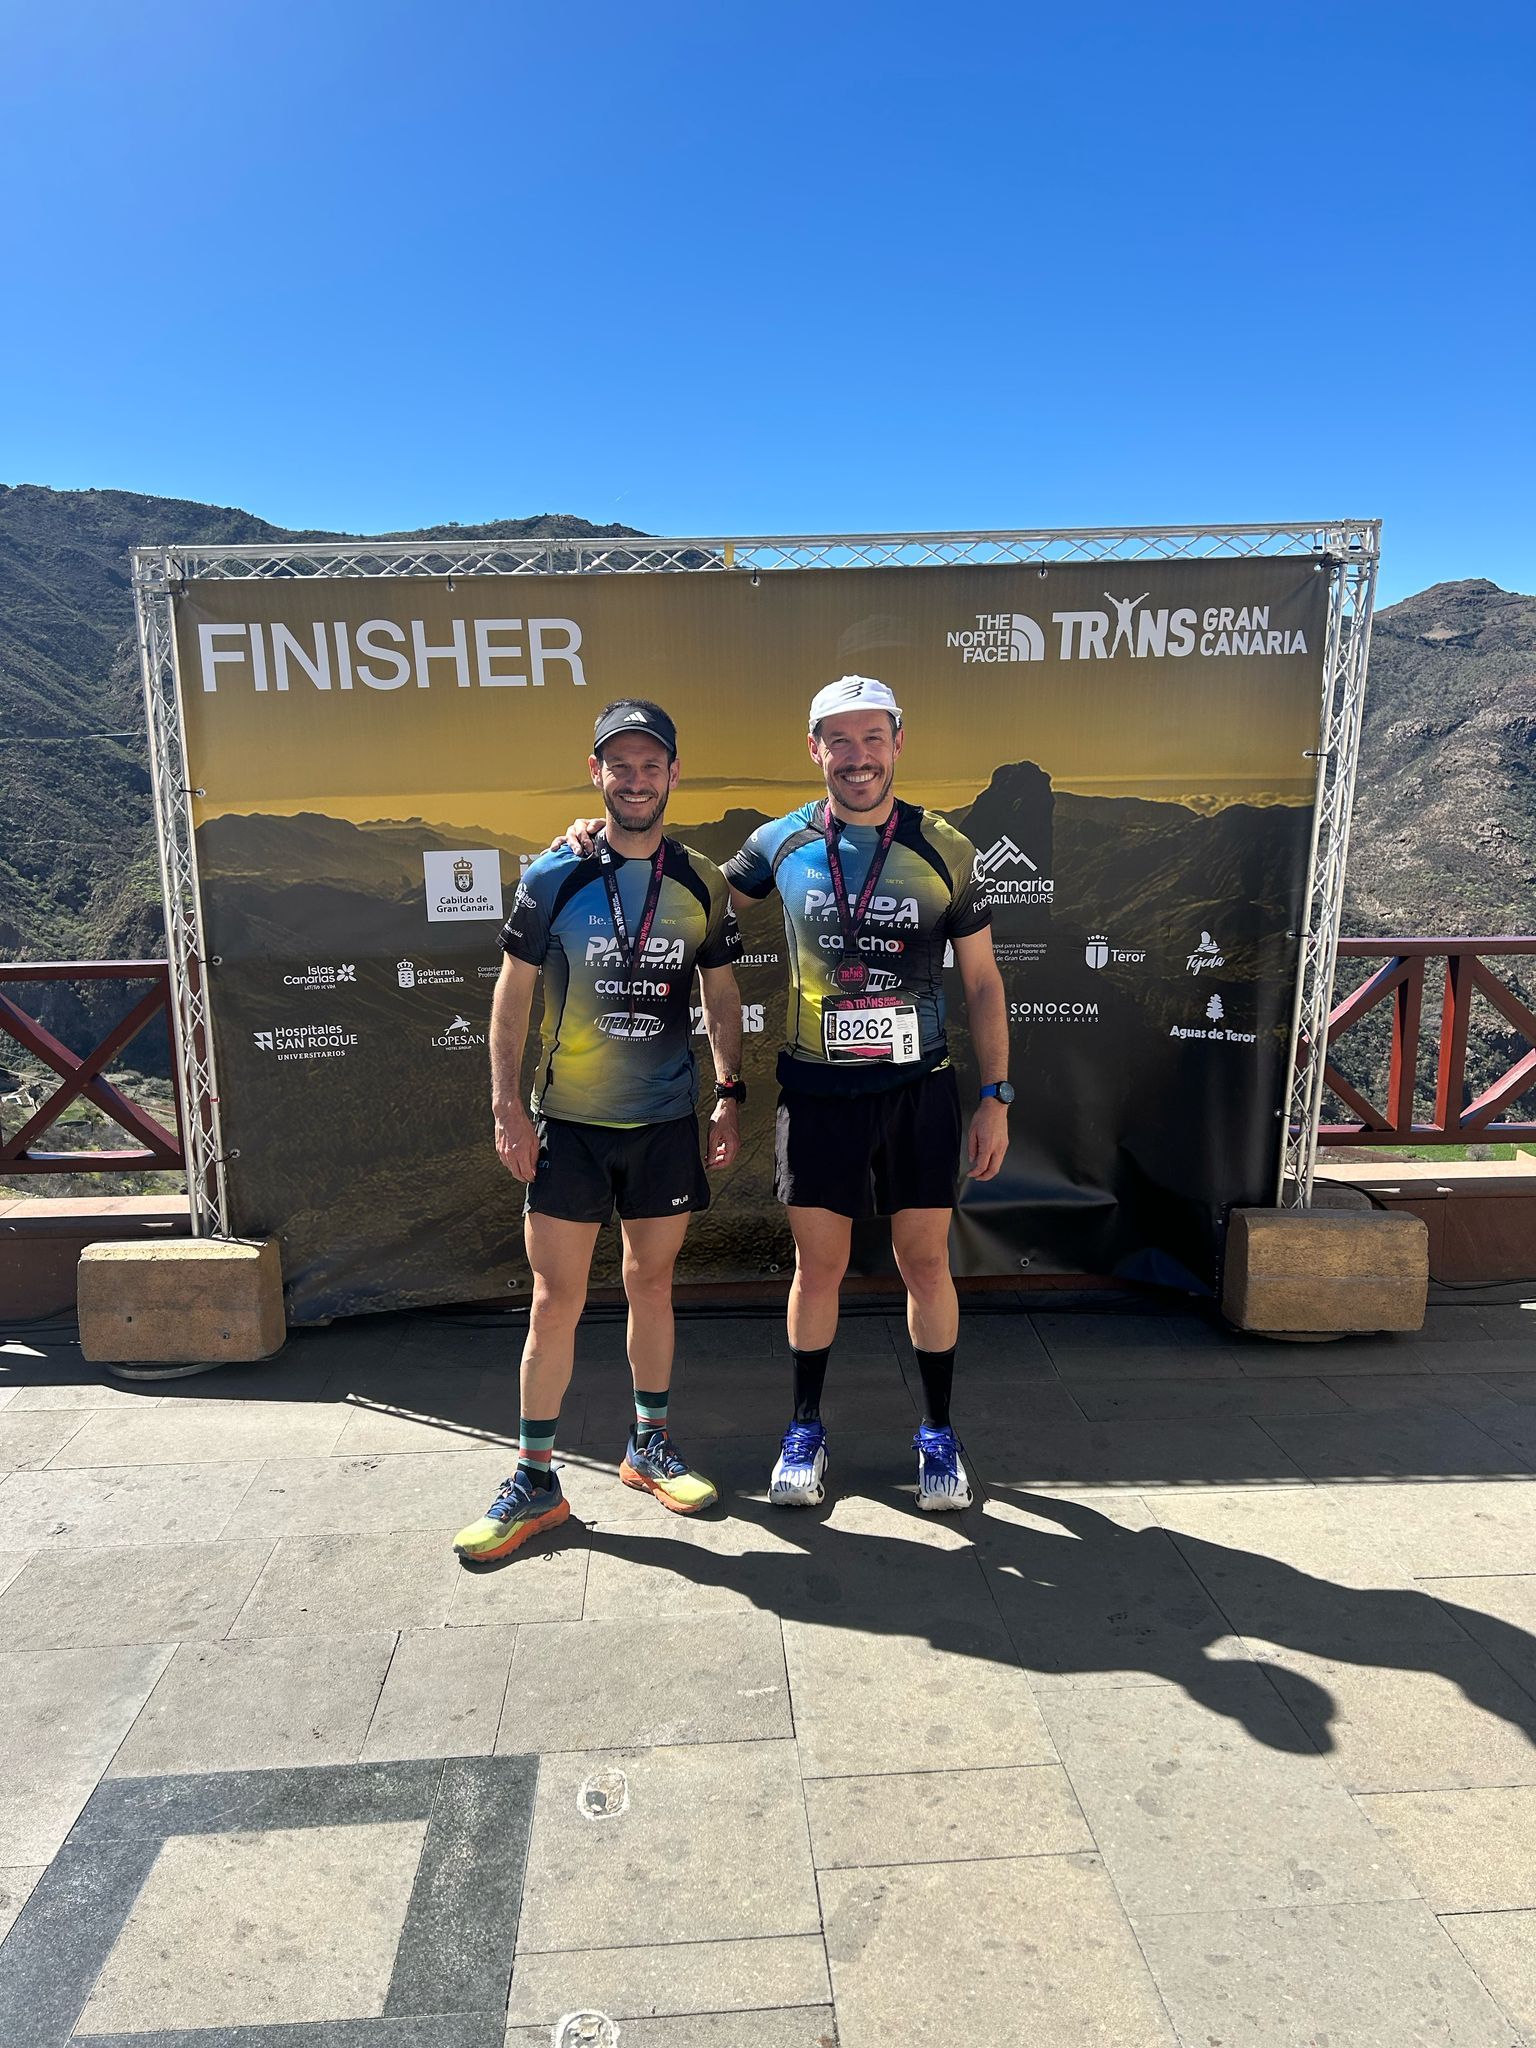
(851, 976)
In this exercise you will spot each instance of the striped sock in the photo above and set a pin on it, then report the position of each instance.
(650, 1416)
(536, 1447)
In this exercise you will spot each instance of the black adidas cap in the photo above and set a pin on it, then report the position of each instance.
(634, 714)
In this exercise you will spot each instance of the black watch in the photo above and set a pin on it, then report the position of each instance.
(1003, 1090)
(731, 1091)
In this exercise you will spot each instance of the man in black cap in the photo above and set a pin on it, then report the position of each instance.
(617, 934)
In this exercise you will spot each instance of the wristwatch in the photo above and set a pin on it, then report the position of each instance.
(731, 1091)
(1003, 1090)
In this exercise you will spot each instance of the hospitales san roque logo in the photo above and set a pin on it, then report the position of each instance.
(1128, 627)
(306, 1041)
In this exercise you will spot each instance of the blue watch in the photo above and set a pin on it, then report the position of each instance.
(1003, 1090)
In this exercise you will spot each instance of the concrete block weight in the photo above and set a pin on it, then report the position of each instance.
(192, 1302)
(1322, 1272)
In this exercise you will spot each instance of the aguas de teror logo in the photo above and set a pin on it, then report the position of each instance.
(1129, 629)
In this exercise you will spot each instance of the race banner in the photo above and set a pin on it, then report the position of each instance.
(1130, 748)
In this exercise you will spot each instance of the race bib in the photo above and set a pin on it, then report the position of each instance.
(870, 1031)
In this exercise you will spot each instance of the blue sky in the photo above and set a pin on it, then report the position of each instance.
(789, 269)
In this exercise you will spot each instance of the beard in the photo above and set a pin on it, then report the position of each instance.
(632, 819)
(866, 796)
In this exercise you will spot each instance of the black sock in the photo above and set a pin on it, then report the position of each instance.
(810, 1375)
(938, 1375)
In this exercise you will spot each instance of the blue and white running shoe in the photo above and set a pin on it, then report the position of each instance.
(799, 1477)
(943, 1483)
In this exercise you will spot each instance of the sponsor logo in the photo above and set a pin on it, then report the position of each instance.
(679, 1201)
(306, 1041)
(1127, 628)
(1207, 954)
(462, 885)
(1216, 1030)
(655, 953)
(1099, 953)
(488, 971)
(999, 636)
(614, 987)
(822, 904)
(832, 942)
(751, 1017)
(1017, 952)
(758, 960)
(1053, 1013)
(409, 975)
(458, 1036)
(627, 1024)
(386, 654)
(998, 887)
(321, 977)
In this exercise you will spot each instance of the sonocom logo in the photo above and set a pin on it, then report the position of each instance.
(386, 654)
(1129, 630)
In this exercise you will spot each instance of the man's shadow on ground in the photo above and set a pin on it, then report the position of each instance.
(1085, 1594)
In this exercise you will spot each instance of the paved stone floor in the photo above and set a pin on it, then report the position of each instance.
(1211, 1724)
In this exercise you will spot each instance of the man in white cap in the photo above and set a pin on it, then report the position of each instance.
(869, 1116)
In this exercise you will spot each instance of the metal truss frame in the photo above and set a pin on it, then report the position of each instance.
(1348, 550)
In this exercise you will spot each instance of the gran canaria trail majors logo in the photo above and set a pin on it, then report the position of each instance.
(1127, 628)
(997, 874)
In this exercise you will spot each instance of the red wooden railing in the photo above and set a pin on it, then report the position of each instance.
(81, 1074)
(1400, 979)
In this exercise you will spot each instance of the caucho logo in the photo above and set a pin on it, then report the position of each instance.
(462, 885)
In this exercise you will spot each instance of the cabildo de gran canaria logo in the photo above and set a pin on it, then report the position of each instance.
(1126, 629)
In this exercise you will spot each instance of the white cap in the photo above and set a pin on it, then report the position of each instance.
(853, 693)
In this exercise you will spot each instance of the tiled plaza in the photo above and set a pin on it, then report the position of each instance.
(1212, 1724)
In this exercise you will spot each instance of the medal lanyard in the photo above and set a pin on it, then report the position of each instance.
(629, 954)
(852, 919)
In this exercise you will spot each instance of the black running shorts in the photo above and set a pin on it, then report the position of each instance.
(586, 1171)
(871, 1154)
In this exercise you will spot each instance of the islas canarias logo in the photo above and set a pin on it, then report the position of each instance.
(1128, 628)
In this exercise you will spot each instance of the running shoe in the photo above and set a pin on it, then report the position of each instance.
(520, 1510)
(942, 1480)
(799, 1477)
(662, 1469)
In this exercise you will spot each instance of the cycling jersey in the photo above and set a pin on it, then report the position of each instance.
(615, 1044)
(925, 896)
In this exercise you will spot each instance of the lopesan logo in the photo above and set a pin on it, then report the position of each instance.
(656, 953)
(1207, 954)
(458, 1036)
(998, 887)
(306, 1041)
(1099, 953)
(1220, 631)
(323, 978)
(382, 654)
